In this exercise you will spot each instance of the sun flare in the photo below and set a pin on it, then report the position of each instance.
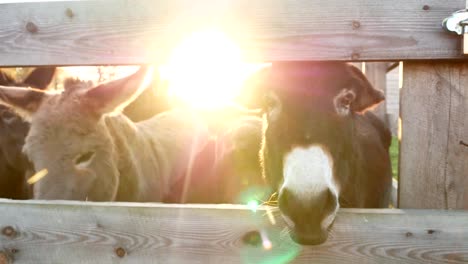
(206, 70)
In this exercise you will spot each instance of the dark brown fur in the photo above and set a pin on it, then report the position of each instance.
(14, 165)
(321, 103)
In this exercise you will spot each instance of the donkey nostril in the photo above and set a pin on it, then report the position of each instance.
(326, 201)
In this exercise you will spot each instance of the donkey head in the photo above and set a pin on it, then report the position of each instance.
(13, 129)
(309, 113)
(69, 136)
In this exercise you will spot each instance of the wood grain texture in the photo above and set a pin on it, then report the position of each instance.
(70, 232)
(376, 73)
(433, 158)
(144, 31)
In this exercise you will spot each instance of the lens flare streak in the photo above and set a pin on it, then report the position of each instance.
(271, 217)
(38, 176)
(266, 243)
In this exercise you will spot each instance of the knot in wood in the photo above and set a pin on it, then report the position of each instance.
(355, 56)
(9, 231)
(4, 258)
(252, 238)
(426, 7)
(69, 13)
(31, 27)
(120, 252)
(356, 24)
(409, 234)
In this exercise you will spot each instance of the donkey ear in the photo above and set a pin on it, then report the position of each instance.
(40, 78)
(25, 101)
(366, 95)
(115, 95)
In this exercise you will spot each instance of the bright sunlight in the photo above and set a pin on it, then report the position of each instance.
(206, 70)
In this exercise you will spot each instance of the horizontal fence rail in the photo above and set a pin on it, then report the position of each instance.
(144, 31)
(67, 232)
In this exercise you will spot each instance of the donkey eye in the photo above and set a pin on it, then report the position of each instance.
(84, 158)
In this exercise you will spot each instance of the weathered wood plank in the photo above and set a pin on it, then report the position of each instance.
(59, 232)
(433, 158)
(143, 31)
(376, 73)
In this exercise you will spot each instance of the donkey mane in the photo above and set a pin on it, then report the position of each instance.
(75, 83)
(152, 101)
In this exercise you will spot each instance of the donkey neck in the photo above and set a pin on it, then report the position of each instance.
(152, 155)
(138, 171)
(362, 166)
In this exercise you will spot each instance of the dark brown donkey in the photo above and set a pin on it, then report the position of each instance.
(320, 149)
(14, 165)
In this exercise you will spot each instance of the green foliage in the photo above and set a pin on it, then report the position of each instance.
(394, 148)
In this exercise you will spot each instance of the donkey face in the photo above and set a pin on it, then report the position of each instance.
(308, 122)
(69, 137)
(13, 129)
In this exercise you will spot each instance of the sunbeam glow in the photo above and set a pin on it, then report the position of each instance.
(99, 74)
(253, 205)
(206, 70)
(271, 217)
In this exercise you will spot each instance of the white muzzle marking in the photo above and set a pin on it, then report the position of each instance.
(309, 171)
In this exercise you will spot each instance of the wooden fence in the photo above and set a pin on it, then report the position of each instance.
(434, 137)
(52, 232)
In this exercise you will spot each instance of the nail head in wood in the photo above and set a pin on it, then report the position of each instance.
(120, 252)
(31, 27)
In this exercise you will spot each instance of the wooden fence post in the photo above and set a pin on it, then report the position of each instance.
(434, 143)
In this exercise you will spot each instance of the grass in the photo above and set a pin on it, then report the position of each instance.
(394, 157)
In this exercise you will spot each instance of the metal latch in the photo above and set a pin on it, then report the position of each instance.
(458, 23)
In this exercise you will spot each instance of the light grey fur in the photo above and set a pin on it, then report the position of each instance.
(138, 162)
(92, 153)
